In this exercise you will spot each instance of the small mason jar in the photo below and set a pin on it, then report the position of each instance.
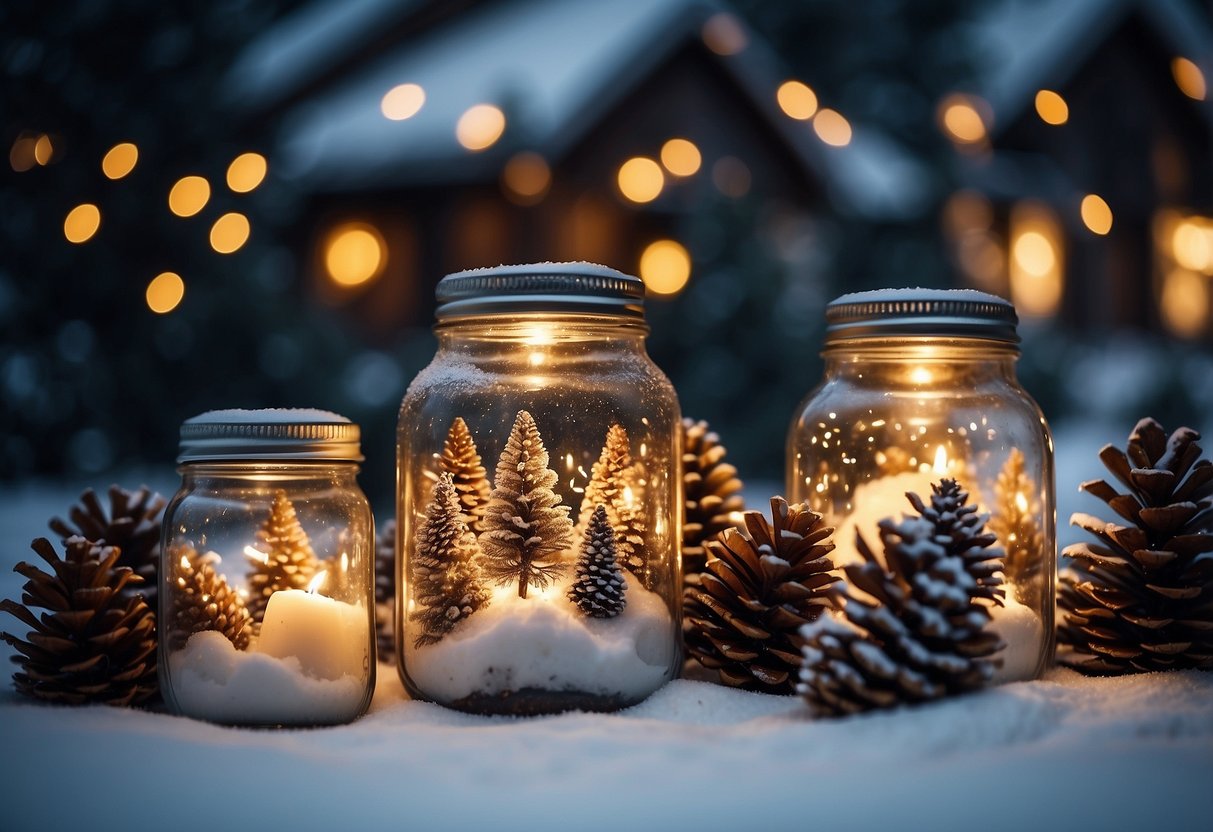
(267, 572)
(539, 504)
(920, 386)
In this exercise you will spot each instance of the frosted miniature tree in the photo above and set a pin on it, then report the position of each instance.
(285, 559)
(446, 578)
(525, 529)
(461, 460)
(1014, 521)
(613, 485)
(599, 585)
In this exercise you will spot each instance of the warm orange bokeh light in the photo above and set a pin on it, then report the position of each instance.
(640, 179)
(119, 160)
(246, 172)
(681, 157)
(402, 101)
(526, 178)
(82, 223)
(354, 253)
(229, 233)
(665, 267)
(1096, 215)
(961, 119)
(1189, 78)
(832, 128)
(480, 127)
(189, 196)
(797, 100)
(165, 292)
(1052, 108)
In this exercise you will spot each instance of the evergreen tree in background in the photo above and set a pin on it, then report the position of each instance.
(526, 530)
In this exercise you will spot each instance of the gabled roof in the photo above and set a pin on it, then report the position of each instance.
(1027, 46)
(557, 67)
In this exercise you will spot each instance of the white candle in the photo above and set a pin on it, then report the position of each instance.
(330, 638)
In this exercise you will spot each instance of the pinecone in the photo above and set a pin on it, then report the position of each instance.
(385, 592)
(1141, 598)
(711, 492)
(286, 559)
(95, 643)
(758, 590)
(204, 601)
(918, 632)
(132, 525)
(599, 585)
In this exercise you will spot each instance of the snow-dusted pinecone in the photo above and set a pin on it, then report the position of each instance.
(760, 586)
(132, 524)
(711, 491)
(1141, 598)
(202, 601)
(918, 630)
(94, 643)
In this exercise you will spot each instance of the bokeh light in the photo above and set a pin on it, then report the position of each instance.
(1189, 78)
(229, 233)
(962, 120)
(480, 127)
(119, 160)
(82, 223)
(665, 267)
(402, 101)
(681, 157)
(189, 195)
(724, 34)
(640, 179)
(1051, 107)
(526, 178)
(1184, 303)
(165, 292)
(796, 100)
(832, 127)
(246, 172)
(1096, 215)
(354, 253)
(44, 149)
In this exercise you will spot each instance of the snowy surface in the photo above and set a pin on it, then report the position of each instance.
(1062, 752)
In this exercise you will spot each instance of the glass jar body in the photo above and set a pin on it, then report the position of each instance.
(598, 423)
(894, 415)
(267, 594)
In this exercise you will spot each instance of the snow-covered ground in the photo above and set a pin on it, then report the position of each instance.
(1109, 754)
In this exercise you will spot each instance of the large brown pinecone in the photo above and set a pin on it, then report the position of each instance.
(385, 592)
(203, 600)
(711, 492)
(918, 631)
(759, 588)
(132, 524)
(1141, 598)
(94, 643)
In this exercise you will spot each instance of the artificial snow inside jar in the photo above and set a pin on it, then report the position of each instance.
(538, 498)
(920, 392)
(266, 572)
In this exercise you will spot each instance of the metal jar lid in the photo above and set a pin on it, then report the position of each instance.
(942, 313)
(288, 434)
(579, 288)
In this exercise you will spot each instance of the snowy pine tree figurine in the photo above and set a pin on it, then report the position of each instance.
(461, 460)
(446, 578)
(525, 529)
(613, 485)
(599, 586)
(285, 559)
(1014, 521)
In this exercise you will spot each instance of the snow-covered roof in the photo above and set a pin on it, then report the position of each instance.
(1027, 46)
(555, 66)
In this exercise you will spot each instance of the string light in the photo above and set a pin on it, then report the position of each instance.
(354, 253)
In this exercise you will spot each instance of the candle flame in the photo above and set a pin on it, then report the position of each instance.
(345, 562)
(257, 554)
(1021, 501)
(941, 460)
(313, 586)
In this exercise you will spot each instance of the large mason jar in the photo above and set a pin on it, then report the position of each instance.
(538, 500)
(920, 387)
(267, 572)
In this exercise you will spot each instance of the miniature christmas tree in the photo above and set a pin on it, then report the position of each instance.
(461, 460)
(711, 491)
(1141, 598)
(1014, 521)
(526, 530)
(203, 600)
(918, 631)
(759, 588)
(614, 485)
(446, 578)
(599, 586)
(385, 592)
(285, 559)
(132, 525)
(95, 643)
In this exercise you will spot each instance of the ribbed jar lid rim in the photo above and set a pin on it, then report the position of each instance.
(578, 288)
(298, 434)
(960, 313)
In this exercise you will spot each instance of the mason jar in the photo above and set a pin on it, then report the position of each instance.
(920, 386)
(539, 504)
(267, 572)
